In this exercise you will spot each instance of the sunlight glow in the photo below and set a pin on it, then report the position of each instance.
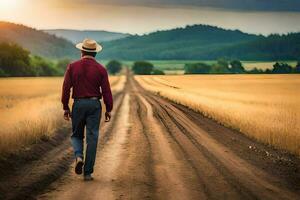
(8, 5)
(71, 14)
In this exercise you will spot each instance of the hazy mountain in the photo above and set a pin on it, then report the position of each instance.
(37, 42)
(76, 36)
(204, 42)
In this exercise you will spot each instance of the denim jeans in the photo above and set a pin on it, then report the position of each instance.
(86, 113)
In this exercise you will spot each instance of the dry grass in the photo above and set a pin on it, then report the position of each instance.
(265, 107)
(117, 83)
(30, 110)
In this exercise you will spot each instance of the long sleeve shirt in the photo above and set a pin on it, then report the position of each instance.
(87, 78)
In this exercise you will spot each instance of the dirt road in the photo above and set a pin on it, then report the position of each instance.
(156, 149)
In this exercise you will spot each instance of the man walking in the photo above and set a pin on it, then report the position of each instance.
(89, 82)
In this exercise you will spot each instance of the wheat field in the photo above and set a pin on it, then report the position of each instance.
(30, 110)
(264, 107)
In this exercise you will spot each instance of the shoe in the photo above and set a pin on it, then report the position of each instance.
(79, 165)
(88, 177)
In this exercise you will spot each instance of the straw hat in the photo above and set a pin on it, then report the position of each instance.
(89, 45)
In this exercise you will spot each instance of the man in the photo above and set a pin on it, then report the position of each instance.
(89, 82)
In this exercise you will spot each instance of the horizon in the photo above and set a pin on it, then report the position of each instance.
(146, 16)
(168, 29)
(147, 33)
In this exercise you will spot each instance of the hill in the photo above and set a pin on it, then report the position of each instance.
(271, 48)
(203, 42)
(76, 36)
(37, 42)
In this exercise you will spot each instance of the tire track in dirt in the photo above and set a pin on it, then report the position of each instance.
(209, 181)
(136, 179)
(23, 184)
(170, 171)
(236, 176)
(216, 183)
(209, 176)
(250, 181)
(173, 177)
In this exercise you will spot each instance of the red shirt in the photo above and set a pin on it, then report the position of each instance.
(86, 77)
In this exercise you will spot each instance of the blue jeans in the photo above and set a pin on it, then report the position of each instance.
(86, 113)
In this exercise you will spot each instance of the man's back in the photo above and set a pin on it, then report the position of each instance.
(86, 76)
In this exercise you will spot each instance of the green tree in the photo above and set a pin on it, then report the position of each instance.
(236, 67)
(219, 69)
(43, 67)
(267, 71)
(2, 73)
(14, 60)
(142, 67)
(255, 71)
(114, 66)
(197, 68)
(297, 68)
(158, 72)
(223, 63)
(61, 65)
(281, 68)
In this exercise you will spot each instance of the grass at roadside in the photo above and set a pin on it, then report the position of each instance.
(30, 110)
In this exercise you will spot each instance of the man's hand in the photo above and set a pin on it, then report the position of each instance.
(107, 116)
(67, 115)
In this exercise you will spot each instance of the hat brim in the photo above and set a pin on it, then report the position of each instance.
(80, 46)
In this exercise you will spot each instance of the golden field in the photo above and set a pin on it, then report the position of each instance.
(265, 107)
(30, 110)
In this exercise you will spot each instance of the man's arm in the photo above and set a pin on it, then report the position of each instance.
(67, 85)
(107, 95)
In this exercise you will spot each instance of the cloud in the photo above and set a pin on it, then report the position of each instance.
(246, 5)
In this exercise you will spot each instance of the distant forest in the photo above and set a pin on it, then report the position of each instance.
(202, 42)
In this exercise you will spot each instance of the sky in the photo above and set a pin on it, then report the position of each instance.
(144, 16)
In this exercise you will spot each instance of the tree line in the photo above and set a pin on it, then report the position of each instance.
(16, 61)
(223, 66)
(138, 67)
